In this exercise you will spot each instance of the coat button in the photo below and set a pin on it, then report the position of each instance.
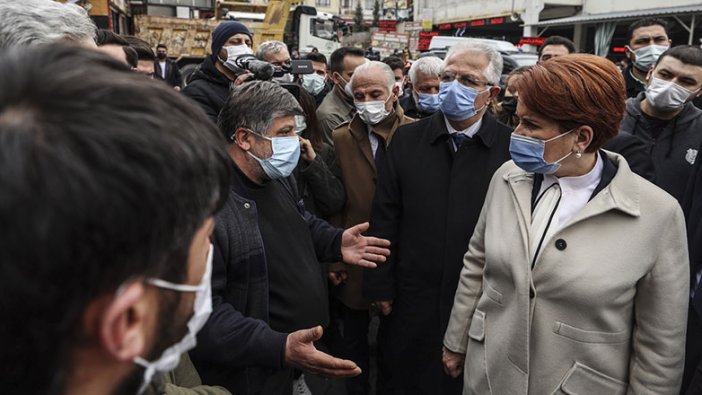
(531, 293)
(247, 205)
(561, 244)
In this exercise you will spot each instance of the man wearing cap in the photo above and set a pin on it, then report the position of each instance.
(210, 83)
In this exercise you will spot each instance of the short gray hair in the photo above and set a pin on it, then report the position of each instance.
(430, 65)
(493, 70)
(374, 65)
(267, 47)
(32, 22)
(254, 106)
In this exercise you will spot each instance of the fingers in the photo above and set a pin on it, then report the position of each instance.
(366, 264)
(327, 365)
(377, 250)
(308, 335)
(374, 241)
(374, 257)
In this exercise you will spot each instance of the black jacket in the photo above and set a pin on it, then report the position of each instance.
(674, 150)
(635, 151)
(410, 106)
(209, 88)
(427, 202)
(173, 77)
(633, 85)
(236, 348)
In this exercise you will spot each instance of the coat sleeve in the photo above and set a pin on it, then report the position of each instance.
(326, 238)
(386, 213)
(323, 179)
(177, 77)
(470, 288)
(660, 312)
(229, 338)
(634, 150)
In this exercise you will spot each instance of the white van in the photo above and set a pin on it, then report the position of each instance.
(446, 42)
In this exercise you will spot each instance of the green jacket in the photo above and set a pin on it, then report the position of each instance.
(183, 380)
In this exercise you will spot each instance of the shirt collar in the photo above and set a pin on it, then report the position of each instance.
(470, 131)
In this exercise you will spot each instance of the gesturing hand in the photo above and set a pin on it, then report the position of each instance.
(453, 362)
(301, 353)
(360, 250)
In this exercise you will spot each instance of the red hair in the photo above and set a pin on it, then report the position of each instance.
(575, 90)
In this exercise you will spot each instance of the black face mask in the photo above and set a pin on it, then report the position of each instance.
(161, 56)
(509, 104)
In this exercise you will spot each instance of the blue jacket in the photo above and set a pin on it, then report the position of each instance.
(236, 348)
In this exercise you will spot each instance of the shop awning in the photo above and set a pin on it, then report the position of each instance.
(616, 16)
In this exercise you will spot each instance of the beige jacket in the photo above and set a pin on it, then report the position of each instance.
(604, 309)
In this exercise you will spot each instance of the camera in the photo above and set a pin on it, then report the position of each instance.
(265, 71)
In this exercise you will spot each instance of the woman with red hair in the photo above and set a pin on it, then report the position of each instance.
(576, 277)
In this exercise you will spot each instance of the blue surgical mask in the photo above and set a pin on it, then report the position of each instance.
(427, 102)
(528, 153)
(286, 153)
(458, 100)
(314, 83)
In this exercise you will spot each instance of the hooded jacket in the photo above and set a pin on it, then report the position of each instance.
(674, 150)
(209, 88)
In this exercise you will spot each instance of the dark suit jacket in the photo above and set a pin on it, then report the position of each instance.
(173, 77)
(427, 202)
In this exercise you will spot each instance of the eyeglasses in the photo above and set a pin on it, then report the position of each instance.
(467, 80)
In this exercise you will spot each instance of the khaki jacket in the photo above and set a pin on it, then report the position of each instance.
(355, 158)
(604, 310)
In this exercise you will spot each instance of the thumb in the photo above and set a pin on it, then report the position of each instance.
(360, 228)
(311, 335)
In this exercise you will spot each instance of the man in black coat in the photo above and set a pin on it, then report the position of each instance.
(269, 288)
(165, 69)
(692, 205)
(210, 84)
(429, 194)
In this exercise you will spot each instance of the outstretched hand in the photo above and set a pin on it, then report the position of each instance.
(360, 250)
(301, 353)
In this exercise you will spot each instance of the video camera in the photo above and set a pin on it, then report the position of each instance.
(265, 71)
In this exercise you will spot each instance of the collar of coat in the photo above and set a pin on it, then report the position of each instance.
(438, 131)
(622, 193)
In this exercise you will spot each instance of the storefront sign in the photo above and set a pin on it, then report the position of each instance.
(425, 40)
(387, 25)
(536, 41)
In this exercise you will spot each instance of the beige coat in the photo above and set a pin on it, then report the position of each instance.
(355, 158)
(602, 312)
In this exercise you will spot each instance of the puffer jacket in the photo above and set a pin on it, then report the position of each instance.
(209, 88)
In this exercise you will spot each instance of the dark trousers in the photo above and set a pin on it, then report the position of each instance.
(692, 375)
(355, 323)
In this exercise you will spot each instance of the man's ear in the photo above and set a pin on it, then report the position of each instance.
(629, 53)
(123, 325)
(494, 91)
(650, 73)
(396, 91)
(243, 139)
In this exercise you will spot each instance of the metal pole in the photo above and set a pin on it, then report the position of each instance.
(692, 30)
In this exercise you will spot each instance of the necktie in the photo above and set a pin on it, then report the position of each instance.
(458, 139)
(379, 153)
(542, 219)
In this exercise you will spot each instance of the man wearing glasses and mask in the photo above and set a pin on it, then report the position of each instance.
(428, 197)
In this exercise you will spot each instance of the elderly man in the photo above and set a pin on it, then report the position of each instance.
(276, 53)
(555, 46)
(360, 150)
(105, 272)
(666, 120)
(337, 107)
(647, 40)
(268, 284)
(210, 85)
(32, 22)
(424, 76)
(428, 197)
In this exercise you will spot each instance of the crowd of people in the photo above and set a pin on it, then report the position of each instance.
(368, 227)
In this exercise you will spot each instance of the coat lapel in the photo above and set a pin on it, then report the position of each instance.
(359, 131)
(520, 183)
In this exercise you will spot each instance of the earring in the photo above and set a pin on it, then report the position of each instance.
(578, 154)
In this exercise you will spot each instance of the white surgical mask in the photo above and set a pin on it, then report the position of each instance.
(233, 52)
(313, 83)
(645, 57)
(286, 154)
(202, 307)
(372, 112)
(667, 96)
(284, 79)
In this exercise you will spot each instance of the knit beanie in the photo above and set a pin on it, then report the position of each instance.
(223, 32)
